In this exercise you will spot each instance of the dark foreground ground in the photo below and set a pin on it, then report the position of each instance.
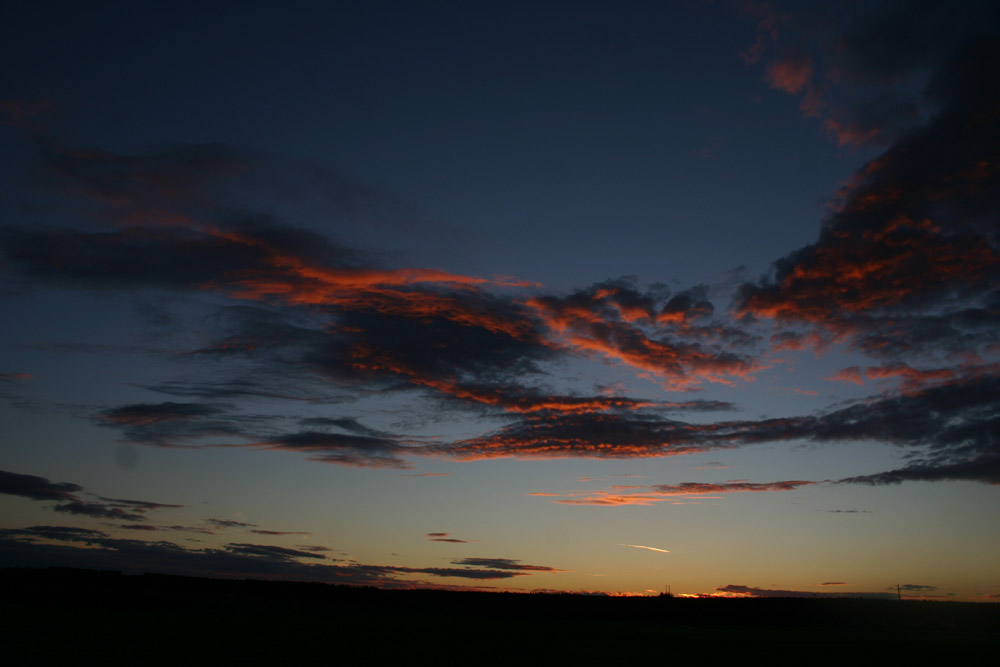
(66, 615)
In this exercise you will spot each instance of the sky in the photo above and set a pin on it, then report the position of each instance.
(565, 296)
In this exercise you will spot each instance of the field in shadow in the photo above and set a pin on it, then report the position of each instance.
(71, 614)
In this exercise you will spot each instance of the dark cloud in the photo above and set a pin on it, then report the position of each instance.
(20, 548)
(750, 591)
(71, 498)
(348, 424)
(920, 588)
(148, 413)
(908, 262)
(503, 564)
(461, 573)
(622, 495)
(614, 321)
(36, 488)
(229, 523)
(195, 425)
(268, 387)
(271, 552)
(949, 427)
(885, 41)
(952, 431)
(99, 511)
(141, 505)
(347, 449)
(62, 533)
(279, 532)
(444, 537)
(588, 434)
(937, 468)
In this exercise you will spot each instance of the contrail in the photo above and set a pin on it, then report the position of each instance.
(639, 546)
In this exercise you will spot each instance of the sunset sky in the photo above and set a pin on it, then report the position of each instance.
(575, 296)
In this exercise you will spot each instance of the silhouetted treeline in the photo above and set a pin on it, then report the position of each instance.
(70, 613)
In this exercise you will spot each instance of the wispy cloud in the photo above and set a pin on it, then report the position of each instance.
(639, 546)
(444, 537)
(87, 548)
(74, 499)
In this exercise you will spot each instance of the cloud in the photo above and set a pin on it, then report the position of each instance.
(36, 488)
(20, 548)
(639, 546)
(144, 414)
(791, 72)
(945, 419)
(444, 537)
(654, 335)
(169, 424)
(738, 590)
(906, 264)
(71, 498)
(229, 523)
(271, 552)
(658, 493)
(920, 588)
(503, 564)
(850, 374)
(688, 488)
(905, 270)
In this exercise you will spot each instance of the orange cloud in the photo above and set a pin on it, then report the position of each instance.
(659, 493)
(849, 374)
(790, 73)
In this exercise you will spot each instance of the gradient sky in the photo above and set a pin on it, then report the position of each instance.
(522, 296)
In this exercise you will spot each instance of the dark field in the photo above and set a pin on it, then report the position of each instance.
(62, 615)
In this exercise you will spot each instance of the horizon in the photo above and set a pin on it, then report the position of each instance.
(569, 297)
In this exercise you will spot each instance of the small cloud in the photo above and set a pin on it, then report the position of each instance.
(916, 588)
(639, 546)
(849, 374)
(503, 564)
(545, 494)
(227, 523)
(444, 537)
